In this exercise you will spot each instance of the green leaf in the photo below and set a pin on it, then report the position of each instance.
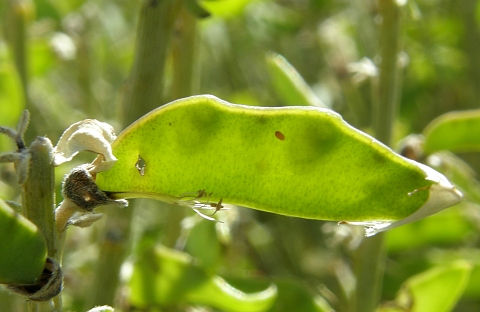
(292, 296)
(164, 277)
(454, 131)
(289, 84)
(447, 228)
(296, 161)
(469, 254)
(204, 234)
(435, 290)
(23, 250)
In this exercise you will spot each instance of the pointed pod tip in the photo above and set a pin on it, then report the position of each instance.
(442, 194)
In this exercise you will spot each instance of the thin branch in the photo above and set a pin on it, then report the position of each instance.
(17, 135)
(12, 134)
(22, 128)
(371, 254)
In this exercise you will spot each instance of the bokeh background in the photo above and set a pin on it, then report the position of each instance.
(70, 60)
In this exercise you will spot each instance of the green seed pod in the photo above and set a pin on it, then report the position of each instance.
(296, 161)
(23, 248)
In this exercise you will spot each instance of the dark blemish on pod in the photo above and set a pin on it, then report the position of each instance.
(279, 135)
(218, 206)
(262, 119)
(140, 165)
(203, 193)
(169, 123)
(200, 194)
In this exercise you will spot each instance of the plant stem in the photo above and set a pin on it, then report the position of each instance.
(369, 268)
(16, 31)
(113, 247)
(84, 70)
(468, 10)
(184, 56)
(371, 254)
(144, 92)
(387, 95)
(145, 88)
(18, 16)
(8, 301)
(38, 192)
(38, 204)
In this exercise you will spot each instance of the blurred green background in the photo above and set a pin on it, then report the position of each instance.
(70, 60)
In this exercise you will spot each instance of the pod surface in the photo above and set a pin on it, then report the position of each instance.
(297, 161)
(23, 248)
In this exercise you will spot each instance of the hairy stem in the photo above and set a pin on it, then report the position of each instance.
(38, 202)
(38, 191)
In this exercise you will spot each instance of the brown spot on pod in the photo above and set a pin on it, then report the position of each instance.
(279, 135)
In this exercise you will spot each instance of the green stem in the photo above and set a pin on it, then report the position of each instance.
(8, 301)
(16, 31)
(369, 268)
(40, 306)
(38, 192)
(18, 15)
(371, 254)
(389, 79)
(145, 88)
(469, 9)
(84, 70)
(113, 247)
(38, 203)
(144, 92)
(184, 56)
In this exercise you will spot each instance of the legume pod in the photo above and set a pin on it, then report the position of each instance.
(297, 161)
